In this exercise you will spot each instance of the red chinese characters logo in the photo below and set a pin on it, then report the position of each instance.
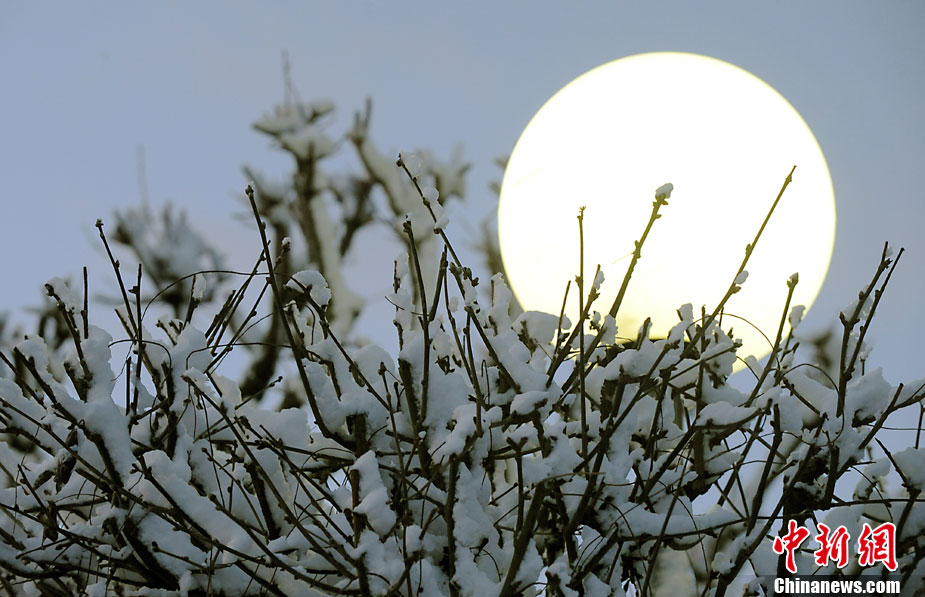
(874, 545)
(878, 545)
(833, 548)
(790, 542)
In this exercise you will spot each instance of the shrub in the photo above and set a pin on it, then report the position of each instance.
(492, 455)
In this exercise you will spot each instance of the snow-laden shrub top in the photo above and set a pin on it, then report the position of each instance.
(494, 454)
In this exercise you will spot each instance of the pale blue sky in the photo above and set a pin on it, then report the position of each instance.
(84, 84)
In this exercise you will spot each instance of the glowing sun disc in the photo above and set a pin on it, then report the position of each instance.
(724, 138)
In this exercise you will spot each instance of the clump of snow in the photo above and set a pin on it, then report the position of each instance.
(430, 194)
(664, 191)
(598, 280)
(740, 279)
(909, 463)
(308, 142)
(374, 498)
(412, 162)
(313, 283)
(796, 316)
(722, 414)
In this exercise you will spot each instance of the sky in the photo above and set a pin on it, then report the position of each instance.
(85, 85)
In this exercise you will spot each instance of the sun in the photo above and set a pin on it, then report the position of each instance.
(725, 139)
